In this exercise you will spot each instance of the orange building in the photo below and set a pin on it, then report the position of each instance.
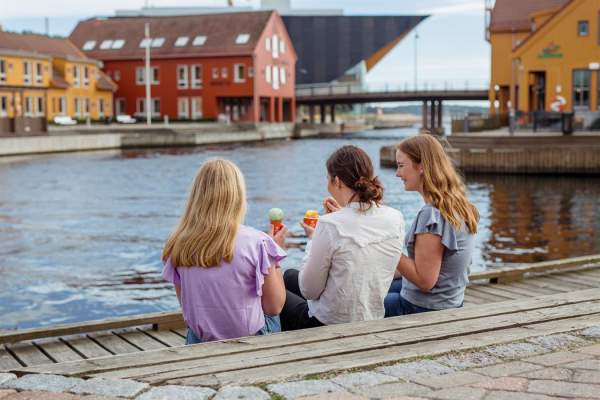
(240, 65)
(546, 56)
(43, 77)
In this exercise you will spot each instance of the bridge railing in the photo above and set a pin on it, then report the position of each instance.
(406, 87)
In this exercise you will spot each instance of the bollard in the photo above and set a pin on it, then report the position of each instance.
(166, 120)
(88, 121)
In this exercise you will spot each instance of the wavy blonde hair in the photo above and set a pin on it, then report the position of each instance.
(206, 232)
(442, 185)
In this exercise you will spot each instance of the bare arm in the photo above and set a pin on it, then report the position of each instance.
(273, 292)
(424, 270)
(178, 293)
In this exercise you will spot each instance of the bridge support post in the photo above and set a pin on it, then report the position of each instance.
(332, 112)
(440, 115)
(424, 111)
(323, 115)
(432, 116)
(311, 113)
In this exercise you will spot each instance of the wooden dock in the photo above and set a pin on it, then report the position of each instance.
(500, 305)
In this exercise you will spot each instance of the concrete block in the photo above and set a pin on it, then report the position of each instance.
(43, 383)
(177, 392)
(415, 368)
(241, 392)
(293, 390)
(362, 379)
(111, 387)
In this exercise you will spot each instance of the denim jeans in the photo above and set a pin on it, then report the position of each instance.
(396, 305)
(272, 325)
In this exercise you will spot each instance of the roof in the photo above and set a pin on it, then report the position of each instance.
(329, 45)
(40, 44)
(58, 81)
(221, 31)
(105, 83)
(515, 15)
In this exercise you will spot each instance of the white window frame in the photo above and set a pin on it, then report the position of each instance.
(3, 106)
(120, 106)
(196, 108)
(224, 72)
(28, 106)
(77, 108)
(275, 46)
(268, 43)
(215, 73)
(183, 108)
(281, 46)
(237, 76)
(140, 75)
(85, 79)
(242, 38)
(39, 77)
(157, 42)
(89, 45)
(282, 75)
(140, 106)
(199, 40)
(196, 78)
(101, 108)
(182, 83)
(2, 71)
(27, 73)
(268, 74)
(87, 106)
(155, 110)
(76, 76)
(182, 41)
(275, 76)
(117, 75)
(144, 42)
(62, 105)
(39, 106)
(117, 44)
(250, 71)
(106, 44)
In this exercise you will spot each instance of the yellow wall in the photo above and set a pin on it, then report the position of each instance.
(15, 68)
(577, 53)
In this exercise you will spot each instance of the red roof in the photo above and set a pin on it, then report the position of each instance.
(221, 31)
(515, 15)
(41, 44)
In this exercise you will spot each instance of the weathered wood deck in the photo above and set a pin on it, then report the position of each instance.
(512, 303)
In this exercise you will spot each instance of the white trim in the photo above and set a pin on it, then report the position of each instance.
(196, 80)
(183, 112)
(237, 76)
(182, 83)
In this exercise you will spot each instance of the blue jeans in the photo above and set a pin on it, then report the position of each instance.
(272, 325)
(396, 305)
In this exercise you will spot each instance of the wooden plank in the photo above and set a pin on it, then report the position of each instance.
(540, 291)
(551, 282)
(141, 340)
(425, 322)
(86, 347)
(473, 299)
(495, 291)
(158, 374)
(302, 368)
(477, 296)
(7, 361)
(59, 351)
(516, 290)
(91, 326)
(475, 290)
(588, 276)
(579, 280)
(181, 332)
(167, 337)
(113, 343)
(29, 354)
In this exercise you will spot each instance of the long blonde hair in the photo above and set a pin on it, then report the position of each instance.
(206, 232)
(442, 185)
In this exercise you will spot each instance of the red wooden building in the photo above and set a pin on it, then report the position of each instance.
(202, 66)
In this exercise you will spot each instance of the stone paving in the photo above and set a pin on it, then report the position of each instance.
(560, 366)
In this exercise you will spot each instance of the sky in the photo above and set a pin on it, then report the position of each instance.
(451, 48)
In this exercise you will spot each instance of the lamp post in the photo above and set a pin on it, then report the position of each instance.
(415, 61)
(147, 76)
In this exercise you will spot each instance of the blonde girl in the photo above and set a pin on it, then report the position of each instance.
(434, 274)
(226, 275)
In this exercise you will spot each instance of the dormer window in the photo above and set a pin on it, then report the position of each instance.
(118, 44)
(242, 38)
(106, 44)
(182, 41)
(158, 42)
(199, 40)
(583, 28)
(145, 42)
(89, 45)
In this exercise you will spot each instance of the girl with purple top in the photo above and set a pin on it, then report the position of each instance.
(226, 275)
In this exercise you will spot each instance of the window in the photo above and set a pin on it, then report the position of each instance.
(106, 44)
(283, 75)
(141, 105)
(28, 106)
(156, 107)
(183, 109)
(182, 41)
(196, 107)
(39, 75)
(86, 76)
(2, 71)
(182, 77)
(77, 106)
(158, 42)
(242, 38)
(120, 106)
(238, 73)
(196, 76)
(215, 73)
(275, 76)
(581, 88)
(86, 107)
(583, 28)
(224, 72)
(40, 106)
(117, 75)
(282, 46)
(145, 42)
(118, 44)
(199, 41)
(275, 46)
(250, 72)
(62, 105)
(27, 72)
(140, 75)
(268, 44)
(75, 76)
(101, 107)
(3, 106)
(89, 45)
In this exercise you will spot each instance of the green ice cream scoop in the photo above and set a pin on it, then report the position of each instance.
(275, 214)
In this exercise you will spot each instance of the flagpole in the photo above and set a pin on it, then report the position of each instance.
(147, 72)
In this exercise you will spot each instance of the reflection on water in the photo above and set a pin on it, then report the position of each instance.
(82, 233)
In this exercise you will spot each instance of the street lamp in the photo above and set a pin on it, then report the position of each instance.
(415, 60)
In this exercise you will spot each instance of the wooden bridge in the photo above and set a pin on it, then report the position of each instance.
(501, 305)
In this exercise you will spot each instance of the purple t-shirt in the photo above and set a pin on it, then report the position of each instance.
(224, 302)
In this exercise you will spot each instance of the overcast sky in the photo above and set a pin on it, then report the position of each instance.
(451, 45)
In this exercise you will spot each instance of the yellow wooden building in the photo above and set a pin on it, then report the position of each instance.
(42, 78)
(546, 56)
